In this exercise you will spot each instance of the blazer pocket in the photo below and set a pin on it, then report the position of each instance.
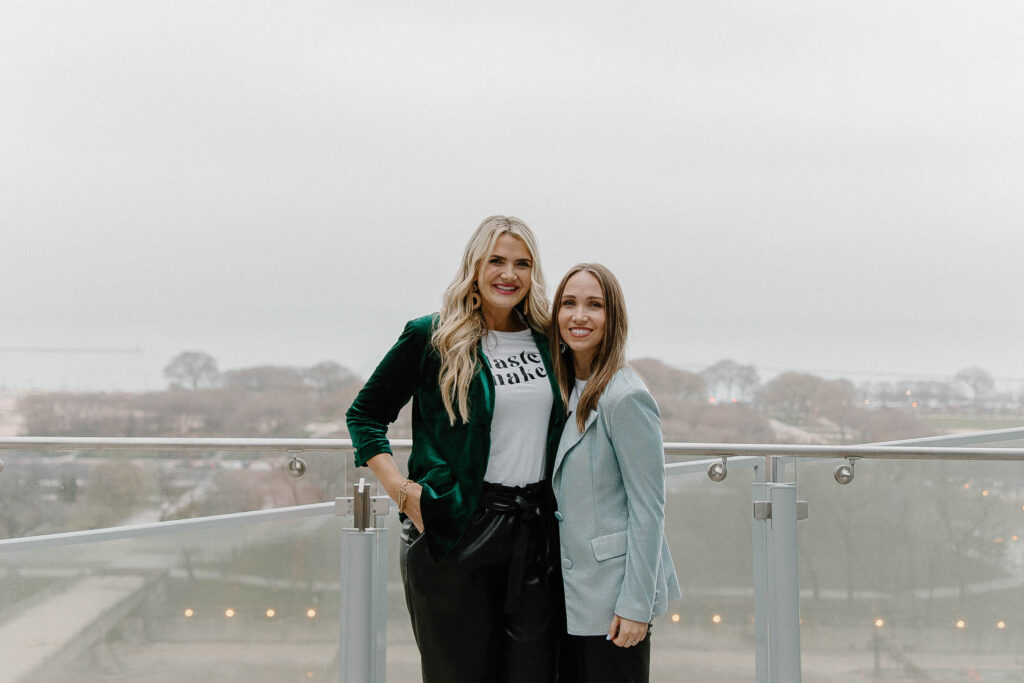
(607, 547)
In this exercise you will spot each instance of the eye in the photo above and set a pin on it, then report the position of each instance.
(523, 264)
(496, 260)
(596, 304)
(567, 303)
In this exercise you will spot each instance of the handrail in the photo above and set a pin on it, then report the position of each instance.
(65, 443)
(912, 449)
(67, 538)
(722, 450)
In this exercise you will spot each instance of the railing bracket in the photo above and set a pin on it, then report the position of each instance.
(763, 509)
(362, 505)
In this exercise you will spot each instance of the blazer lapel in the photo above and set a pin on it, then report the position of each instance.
(571, 437)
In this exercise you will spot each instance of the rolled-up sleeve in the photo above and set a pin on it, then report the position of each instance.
(387, 390)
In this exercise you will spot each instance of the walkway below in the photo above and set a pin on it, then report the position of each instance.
(80, 613)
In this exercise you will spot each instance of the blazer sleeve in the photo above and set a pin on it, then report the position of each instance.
(389, 388)
(634, 426)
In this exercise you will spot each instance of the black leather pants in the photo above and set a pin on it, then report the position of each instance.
(472, 624)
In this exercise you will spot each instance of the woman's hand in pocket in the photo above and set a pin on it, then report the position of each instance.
(413, 493)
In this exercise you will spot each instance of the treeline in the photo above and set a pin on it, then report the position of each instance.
(726, 402)
(263, 401)
(792, 407)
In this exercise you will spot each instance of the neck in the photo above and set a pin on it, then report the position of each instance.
(581, 365)
(504, 322)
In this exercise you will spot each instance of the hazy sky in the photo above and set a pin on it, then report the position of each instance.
(808, 185)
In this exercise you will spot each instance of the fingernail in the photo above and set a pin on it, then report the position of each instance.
(608, 637)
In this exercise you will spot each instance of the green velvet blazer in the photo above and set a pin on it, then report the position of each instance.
(448, 461)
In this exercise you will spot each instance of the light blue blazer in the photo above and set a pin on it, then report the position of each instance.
(610, 485)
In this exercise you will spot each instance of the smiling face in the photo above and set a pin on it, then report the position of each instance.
(581, 318)
(503, 280)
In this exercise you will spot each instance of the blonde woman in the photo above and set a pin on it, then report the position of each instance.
(481, 585)
(609, 482)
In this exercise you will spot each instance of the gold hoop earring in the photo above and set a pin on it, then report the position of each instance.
(474, 298)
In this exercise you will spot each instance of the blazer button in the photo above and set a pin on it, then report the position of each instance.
(567, 563)
(558, 516)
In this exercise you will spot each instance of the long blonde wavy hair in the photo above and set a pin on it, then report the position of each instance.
(460, 327)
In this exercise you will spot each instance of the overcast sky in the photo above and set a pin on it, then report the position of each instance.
(810, 185)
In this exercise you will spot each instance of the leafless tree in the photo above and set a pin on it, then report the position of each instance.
(669, 381)
(790, 396)
(737, 380)
(192, 370)
(977, 380)
(265, 378)
(22, 508)
(328, 377)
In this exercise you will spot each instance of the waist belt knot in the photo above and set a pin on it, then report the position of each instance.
(524, 504)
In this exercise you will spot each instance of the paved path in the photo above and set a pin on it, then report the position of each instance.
(38, 634)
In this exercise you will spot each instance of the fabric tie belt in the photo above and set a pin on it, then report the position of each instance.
(524, 502)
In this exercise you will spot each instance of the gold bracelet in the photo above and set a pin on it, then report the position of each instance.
(403, 496)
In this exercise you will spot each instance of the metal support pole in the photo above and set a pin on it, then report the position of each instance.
(761, 595)
(363, 633)
(776, 580)
(784, 586)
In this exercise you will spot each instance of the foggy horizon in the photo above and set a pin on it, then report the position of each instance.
(793, 187)
(136, 369)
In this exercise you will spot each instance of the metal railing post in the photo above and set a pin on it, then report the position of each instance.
(776, 580)
(759, 535)
(784, 586)
(362, 642)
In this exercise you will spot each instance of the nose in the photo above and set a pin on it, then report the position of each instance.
(508, 271)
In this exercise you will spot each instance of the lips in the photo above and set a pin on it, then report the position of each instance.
(505, 290)
(579, 331)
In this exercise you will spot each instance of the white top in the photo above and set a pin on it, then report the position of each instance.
(576, 394)
(522, 408)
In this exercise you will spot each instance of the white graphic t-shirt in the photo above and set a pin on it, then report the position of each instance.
(522, 408)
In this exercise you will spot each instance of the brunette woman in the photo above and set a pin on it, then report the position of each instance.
(609, 482)
(487, 413)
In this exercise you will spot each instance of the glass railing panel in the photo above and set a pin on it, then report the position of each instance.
(45, 492)
(708, 635)
(403, 658)
(915, 570)
(252, 602)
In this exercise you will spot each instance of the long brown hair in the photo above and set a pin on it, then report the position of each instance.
(460, 326)
(611, 354)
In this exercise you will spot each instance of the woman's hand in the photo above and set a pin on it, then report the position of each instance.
(413, 492)
(383, 467)
(626, 632)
